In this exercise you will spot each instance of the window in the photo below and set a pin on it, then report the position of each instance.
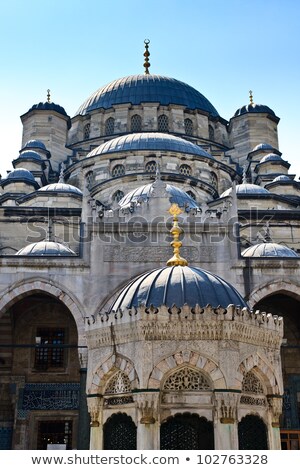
(54, 432)
(118, 195)
(163, 123)
(89, 179)
(86, 131)
(109, 126)
(151, 167)
(191, 194)
(49, 357)
(136, 123)
(185, 170)
(118, 170)
(214, 180)
(188, 126)
(211, 133)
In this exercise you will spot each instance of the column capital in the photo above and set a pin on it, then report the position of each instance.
(275, 406)
(147, 404)
(226, 406)
(94, 406)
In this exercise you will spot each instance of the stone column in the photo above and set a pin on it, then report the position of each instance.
(226, 426)
(83, 435)
(96, 428)
(275, 410)
(148, 426)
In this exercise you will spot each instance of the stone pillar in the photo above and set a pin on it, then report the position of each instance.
(225, 417)
(96, 428)
(275, 410)
(148, 426)
(83, 434)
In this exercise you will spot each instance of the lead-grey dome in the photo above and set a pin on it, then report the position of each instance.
(269, 249)
(45, 248)
(271, 157)
(143, 193)
(254, 108)
(34, 144)
(137, 89)
(177, 285)
(149, 141)
(263, 146)
(61, 188)
(30, 155)
(246, 188)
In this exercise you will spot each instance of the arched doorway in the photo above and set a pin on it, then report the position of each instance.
(119, 433)
(252, 433)
(288, 306)
(186, 431)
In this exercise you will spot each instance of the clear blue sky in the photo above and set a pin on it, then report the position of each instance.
(221, 48)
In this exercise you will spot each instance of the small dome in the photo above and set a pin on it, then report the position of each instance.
(269, 250)
(282, 178)
(254, 108)
(45, 248)
(178, 285)
(263, 146)
(34, 144)
(246, 188)
(149, 141)
(61, 188)
(137, 89)
(48, 107)
(30, 155)
(176, 196)
(271, 157)
(20, 174)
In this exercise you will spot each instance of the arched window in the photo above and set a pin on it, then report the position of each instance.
(211, 132)
(252, 391)
(89, 179)
(163, 123)
(109, 126)
(252, 433)
(188, 126)
(214, 180)
(151, 167)
(117, 196)
(186, 431)
(119, 433)
(136, 123)
(118, 170)
(191, 194)
(186, 379)
(185, 170)
(86, 131)
(119, 383)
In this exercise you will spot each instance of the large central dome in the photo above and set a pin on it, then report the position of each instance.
(137, 89)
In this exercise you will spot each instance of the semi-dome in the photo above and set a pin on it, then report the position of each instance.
(271, 157)
(61, 188)
(282, 178)
(30, 155)
(263, 146)
(34, 144)
(177, 285)
(45, 248)
(20, 174)
(153, 141)
(269, 249)
(143, 193)
(246, 188)
(148, 88)
(254, 108)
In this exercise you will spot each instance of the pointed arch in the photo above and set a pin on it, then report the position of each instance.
(278, 286)
(108, 369)
(195, 361)
(263, 370)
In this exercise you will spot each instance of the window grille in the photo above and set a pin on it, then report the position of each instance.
(151, 167)
(49, 357)
(118, 170)
(118, 195)
(119, 383)
(109, 126)
(119, 433)
(86, 131)
(186, 379)
(185, 170)
(188, 126)
(54, 432)
(163, 123)
(136, 123)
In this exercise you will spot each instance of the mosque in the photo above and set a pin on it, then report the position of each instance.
(149, 275)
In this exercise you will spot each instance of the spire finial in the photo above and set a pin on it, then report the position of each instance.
(146, 55)
(48, 96)
(176, 259)
(251, 97)
(61, 174)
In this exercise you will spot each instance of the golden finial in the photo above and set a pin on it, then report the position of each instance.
(251, 97)
(48, 96)
(146, 55)
(176, 259)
